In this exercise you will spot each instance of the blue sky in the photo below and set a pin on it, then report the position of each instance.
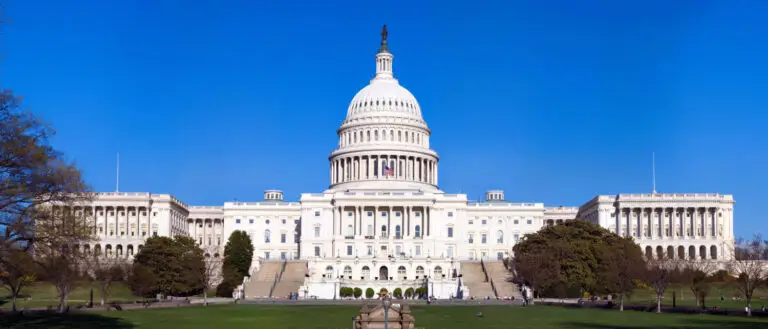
(552, 101)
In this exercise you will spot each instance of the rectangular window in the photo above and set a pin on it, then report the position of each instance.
(450, 214)
(449, 252)
(471, 222)
(516, 222)
(516, 237)
(370, 213)
(282, 238)
(317, 251)
(282, 255)
(484, 222)
(483, 238)
(418, 250)
(349, 250)
(383, 214)
(317, 231)
(266, 255)
(417, 214)
(370, 250)
(317, 214)
(529, 222)
(398, 250)
(349, 214)
(397, 214)
(237, 221)
(450, 232)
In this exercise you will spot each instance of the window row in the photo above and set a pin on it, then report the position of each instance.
(402, 136)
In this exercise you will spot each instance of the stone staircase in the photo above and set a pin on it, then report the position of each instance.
(261, 283)
(502, 280)
(291, 279)
(474, 278)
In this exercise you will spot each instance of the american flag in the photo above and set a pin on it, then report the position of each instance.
(387, 170)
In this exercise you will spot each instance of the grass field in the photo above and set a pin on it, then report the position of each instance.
(336, 317)
(44, 294)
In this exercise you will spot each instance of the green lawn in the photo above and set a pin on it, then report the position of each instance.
(336, 317)
(44, 294)
(684, 297)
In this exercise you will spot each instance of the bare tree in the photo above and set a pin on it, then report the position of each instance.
(58, 255)
(694, 274)
(750, 267)
(212, 274)
(660, 274)
(17, 271)
(105, 271)
(32, 174)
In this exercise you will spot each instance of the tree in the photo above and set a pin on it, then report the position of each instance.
(620, 265)
(17, 271)
(398, 293)
(369, 293)
(33, 177)
(58, 256)
(660, 274)
(749, 267)
(560, 259)
(169, 267)
(358, 292)
(238, 253)
(409, 293)
(104, 272)
(211, 271)
(694, 274)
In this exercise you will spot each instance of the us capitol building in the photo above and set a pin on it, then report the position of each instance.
(384, 222)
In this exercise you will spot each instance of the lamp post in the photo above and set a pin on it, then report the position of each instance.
(386, 302)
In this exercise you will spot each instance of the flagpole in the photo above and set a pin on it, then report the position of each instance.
(117, 178)
(653, 171)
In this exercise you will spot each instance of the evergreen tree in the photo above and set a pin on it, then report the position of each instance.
(168, 266)
(238, 254)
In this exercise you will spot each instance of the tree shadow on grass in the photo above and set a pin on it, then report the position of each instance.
(708, 323)
(49, 320)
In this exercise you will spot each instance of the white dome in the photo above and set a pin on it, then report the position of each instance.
(384, 97)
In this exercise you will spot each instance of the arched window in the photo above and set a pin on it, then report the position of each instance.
(401, 272)
(266, 236)
(418, 230)
(366, 273)
(368, 135)
(420, 271)
(703, 252)
(438, 272)
(671, 252)
(329, 271)
(692, 252)
(399, 136)
(375, 135)
(648, 252)
(499, 237)
(347, 272)
(392, 135)
(712, 252)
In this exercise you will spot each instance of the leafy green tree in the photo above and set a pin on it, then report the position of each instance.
(369, 293)
(409, 293)
(620, 266)
(398, 293)
(238, 253)
(565, 259)
(358, 292)
(176, 267)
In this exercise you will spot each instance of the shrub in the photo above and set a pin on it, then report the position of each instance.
(369, 293)
(398, 293)
(409, 293)
(358, 292)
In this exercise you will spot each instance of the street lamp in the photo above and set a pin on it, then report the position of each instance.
(386, 302)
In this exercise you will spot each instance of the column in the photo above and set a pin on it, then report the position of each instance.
(619, 214)
(436, 174)
(375, 210)
(335, 220)
(408, 227)
(428, 219)
(389, 222)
